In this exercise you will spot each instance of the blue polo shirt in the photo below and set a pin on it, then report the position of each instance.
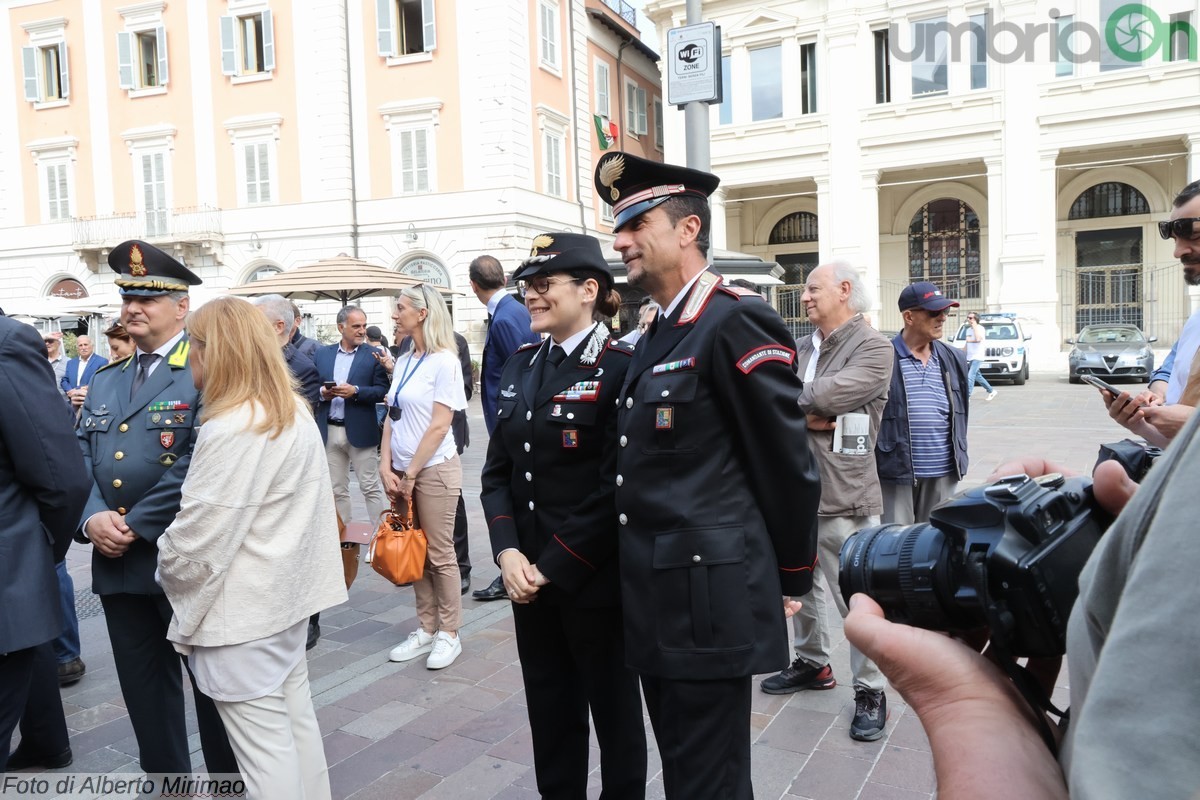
(928, 413)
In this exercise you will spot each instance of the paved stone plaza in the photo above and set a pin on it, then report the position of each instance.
(400, 731)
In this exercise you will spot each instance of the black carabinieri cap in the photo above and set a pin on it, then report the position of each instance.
(564, 252)
(146, 271)
(633, 185)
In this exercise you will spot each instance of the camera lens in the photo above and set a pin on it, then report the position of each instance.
(910, 570)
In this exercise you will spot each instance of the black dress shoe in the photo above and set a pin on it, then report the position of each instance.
(18, 759)
(494, 591)
(314, 633)
(465, 585)
(70, 672)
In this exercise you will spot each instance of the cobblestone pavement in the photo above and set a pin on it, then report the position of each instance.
(402, 731)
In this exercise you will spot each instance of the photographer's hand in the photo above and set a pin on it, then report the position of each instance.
(980, 730)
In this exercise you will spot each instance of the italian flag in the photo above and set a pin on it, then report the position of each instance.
(606, 131)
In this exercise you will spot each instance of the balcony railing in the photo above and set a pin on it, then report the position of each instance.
(197, 224)
(624, 10)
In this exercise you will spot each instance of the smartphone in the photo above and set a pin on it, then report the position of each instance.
(328, 385)
(1099, 384)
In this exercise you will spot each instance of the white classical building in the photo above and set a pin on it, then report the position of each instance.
(254, 136)
(904, 138)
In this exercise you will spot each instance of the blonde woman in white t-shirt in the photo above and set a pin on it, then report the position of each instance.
(418, 459)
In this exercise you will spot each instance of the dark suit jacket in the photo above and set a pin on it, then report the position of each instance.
(43, 484)
(68, 380)
(145, 480)
(717, 493)
(508, 330)
(462, 433)
(564, 518)
(362, 429)
(304, 371)
(304, 344)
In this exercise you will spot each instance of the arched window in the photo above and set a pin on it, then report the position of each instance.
(943, 248)
(1109, 200)
(795, 228)
(265, 271)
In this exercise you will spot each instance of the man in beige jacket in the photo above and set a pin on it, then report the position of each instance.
(846, 366)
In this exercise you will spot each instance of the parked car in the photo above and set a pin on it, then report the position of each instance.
(1111, 351)
(1004, 357)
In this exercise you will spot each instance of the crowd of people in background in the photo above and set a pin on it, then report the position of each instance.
(658, 506)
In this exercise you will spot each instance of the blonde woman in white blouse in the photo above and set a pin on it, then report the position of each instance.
(252, 553)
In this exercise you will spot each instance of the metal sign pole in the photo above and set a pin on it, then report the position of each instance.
(695, 114)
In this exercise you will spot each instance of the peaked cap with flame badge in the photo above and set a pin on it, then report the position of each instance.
(633, 185)
(146, 271)
(565, 252)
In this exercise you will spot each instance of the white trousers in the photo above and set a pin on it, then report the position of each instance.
(277, 741)
(811, 622)
(340, 454)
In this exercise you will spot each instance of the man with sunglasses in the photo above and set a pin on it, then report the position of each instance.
(922, 448)
(1156, 417)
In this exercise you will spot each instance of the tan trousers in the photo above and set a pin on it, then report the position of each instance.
(439, 593)
(341, 455)
(277, 741)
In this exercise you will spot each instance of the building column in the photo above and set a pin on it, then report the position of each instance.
(825, 218)
(867, 260)
(716, 202)
(994, 232)
(1193, 162)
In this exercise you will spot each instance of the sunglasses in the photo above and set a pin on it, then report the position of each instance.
(540, 284)
(1183, 228)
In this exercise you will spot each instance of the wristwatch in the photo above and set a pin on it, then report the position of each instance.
(408, 477)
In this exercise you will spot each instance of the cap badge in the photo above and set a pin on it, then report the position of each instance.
(610, 173)
(540, 242)
(136, 268)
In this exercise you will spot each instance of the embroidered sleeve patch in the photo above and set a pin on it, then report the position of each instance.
(764, 354)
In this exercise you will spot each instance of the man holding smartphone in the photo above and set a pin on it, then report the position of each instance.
(352, 382)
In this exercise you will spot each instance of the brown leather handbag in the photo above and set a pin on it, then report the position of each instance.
(397, 550)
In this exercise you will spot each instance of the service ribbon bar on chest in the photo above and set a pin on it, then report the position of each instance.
(583, 390)
(674, 366)
(168, 405)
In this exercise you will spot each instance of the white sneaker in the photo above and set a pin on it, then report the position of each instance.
(418, 643)
(446, 650)
(992, 395)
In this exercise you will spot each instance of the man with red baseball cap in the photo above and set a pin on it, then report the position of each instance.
(921, 452)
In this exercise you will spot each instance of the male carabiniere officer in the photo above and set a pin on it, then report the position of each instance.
(716, 490)
(137, 430)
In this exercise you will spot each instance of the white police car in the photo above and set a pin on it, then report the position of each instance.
(1004, 354)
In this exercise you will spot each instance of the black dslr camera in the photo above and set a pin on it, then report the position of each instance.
(1005, 556)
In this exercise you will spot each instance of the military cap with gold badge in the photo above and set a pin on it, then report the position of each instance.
(633, 185)
(565, 252)
(146, 271)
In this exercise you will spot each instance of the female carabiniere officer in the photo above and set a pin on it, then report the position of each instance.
(548, 488)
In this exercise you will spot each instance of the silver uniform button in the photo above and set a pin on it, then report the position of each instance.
(528, 415)
(624, 519)
(527, 447)
(570, 416)
(666, 392)
(528, 476)
(696, 559)
(629, 402)
(620, 480)
(624, 441)
(531, 509)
